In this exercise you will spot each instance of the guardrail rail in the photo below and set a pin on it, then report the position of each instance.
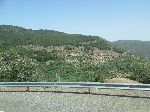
(89, 85)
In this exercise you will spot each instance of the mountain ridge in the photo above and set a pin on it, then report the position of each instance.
(136, 47)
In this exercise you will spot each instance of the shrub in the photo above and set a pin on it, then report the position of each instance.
(16, 68)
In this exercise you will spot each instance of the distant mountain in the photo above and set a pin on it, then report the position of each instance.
(137, 47)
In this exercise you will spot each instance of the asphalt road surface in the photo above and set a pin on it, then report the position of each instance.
(74, 100)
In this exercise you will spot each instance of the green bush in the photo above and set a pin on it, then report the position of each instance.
(16, 68)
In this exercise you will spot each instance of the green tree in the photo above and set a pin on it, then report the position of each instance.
(16, 68)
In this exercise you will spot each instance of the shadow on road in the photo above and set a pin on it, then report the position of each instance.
(64, 92)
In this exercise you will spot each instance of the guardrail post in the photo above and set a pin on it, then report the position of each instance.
(89, 90)
(28, 89)
(54, 86)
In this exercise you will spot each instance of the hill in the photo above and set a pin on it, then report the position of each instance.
(137, 47)
(14, 36)
(43, 55)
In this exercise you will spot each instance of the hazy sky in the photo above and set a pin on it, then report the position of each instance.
(110, 19)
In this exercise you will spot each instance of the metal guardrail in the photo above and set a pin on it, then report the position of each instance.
(123, 86)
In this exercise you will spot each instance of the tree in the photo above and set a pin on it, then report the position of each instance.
(15, 68)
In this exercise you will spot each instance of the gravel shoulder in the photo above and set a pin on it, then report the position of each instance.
(73, 100)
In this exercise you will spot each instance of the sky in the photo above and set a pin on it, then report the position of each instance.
(110, 19)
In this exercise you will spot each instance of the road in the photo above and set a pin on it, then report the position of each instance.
(75, 100)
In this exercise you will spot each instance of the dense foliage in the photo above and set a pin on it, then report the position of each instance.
(14, 36)
(16, 68)
(38, 55)
(127, 66)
